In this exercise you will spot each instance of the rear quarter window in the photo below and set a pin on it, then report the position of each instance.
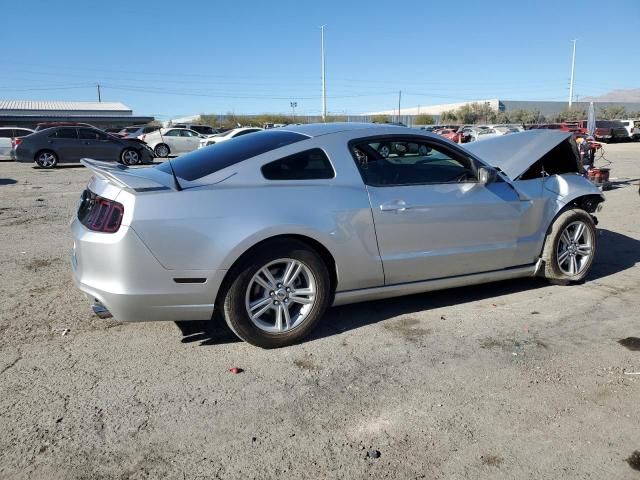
(205, 161)
(308, 165)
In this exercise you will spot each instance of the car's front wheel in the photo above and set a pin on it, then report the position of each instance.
(130, 156)
(570, 247)
(277, 294)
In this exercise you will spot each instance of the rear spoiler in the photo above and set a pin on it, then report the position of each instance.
(136, 179)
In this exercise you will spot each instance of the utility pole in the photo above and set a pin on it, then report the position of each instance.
(573, 68)
(324, 88)
(293, 110)
(399, 101)
(99, 96)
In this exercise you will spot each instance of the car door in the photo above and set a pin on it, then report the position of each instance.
(97, 145)
(432, 216)
(174, 140)
(190, 139)
(65, 143)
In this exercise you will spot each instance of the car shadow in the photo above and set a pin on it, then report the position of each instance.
(616, 253)
(207, 332)
(8, 181)
(59, 167)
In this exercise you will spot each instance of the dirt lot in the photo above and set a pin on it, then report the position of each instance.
(511, 380)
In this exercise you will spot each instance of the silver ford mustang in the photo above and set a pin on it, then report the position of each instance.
(270, 229)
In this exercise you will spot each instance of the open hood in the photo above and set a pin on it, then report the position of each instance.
(515, 153)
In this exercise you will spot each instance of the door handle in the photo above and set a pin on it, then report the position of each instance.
(394, 206)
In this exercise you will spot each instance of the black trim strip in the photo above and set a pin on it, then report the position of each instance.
(190, 280)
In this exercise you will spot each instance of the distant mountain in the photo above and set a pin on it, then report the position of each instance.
(631, 95)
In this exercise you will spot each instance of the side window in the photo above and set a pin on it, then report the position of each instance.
(188, 133)
(308, 165)
(18, 132)
(88, 134)
(65, 133)
(244, 132)
(172, 133)
(8, 133)
(388, 162)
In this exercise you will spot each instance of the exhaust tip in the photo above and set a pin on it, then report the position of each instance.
(100, 310)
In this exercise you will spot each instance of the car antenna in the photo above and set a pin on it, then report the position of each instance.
(175, 178)
(173, 172)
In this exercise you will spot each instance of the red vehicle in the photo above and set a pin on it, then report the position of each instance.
(607, 130)
(453, 135)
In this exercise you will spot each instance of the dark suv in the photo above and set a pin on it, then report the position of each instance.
(55, 145)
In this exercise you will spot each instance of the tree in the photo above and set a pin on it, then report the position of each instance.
(381, 118)
(525, 116)
(612, 112)
(569, 114)
(448, 116)
(424, 119)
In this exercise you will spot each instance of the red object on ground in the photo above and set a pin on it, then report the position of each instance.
(236, 370)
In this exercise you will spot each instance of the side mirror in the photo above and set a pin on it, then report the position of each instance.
(487, 175)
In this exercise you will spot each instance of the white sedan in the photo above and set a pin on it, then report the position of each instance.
(228, 135)
(172, 141)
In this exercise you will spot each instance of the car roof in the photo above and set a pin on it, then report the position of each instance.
(318, 129)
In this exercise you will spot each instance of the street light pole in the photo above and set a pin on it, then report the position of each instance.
(573, 68)
(324, 89)
(293, 111)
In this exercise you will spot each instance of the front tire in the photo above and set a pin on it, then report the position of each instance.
(46, 159)
(570, 247)
(130, 156)
(277, 294)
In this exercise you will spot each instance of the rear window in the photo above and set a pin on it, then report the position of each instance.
(207, 160)
(607, 124)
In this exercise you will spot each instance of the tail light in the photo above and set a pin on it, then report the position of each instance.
(15, 142)
(100, 214)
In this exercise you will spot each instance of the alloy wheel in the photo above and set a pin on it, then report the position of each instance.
(46, 159)
(575, 248)
(281, 295)
(130, 157)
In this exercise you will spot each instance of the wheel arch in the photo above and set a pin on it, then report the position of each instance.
(312, 243)
(587, 202)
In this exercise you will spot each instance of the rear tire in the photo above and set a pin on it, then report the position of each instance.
(570, 247)
(260, 285)
(46, 159)
(162, 150)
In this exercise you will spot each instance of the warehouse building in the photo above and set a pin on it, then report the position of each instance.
(28, 113)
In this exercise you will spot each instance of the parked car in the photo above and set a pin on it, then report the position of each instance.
(270, 229)
(633, 128)
(113, 130)
(228, 135)
(55, 145)
(473, 134)
(136, 131)
(201, 129)
(7, 139)
(607, 130)
(172, 141)
(452, 134)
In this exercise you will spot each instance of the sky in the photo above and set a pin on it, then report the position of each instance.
(170, 59)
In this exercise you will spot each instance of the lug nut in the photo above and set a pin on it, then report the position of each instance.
(279, 285)
(275, 302)
(271, 293)
(288, 289)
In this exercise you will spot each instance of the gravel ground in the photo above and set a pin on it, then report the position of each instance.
(511, 380)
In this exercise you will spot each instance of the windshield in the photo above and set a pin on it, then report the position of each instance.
(205, 161)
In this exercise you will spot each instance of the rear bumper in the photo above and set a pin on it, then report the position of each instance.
(120, 272)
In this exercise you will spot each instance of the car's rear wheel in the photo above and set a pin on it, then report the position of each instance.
(162, 150)
(46, 159)
(130, 156)
(277, 295)
(570, 247)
